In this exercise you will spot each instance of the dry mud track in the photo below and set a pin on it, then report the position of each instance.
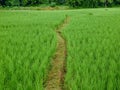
(56, 74)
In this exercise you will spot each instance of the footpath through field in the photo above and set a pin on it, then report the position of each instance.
(56, 75)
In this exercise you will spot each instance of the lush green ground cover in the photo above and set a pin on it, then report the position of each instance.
(27, 42)
(93, 44)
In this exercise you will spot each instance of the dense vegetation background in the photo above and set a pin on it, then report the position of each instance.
(73, 3)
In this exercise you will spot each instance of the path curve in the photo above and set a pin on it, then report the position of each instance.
(55, 79)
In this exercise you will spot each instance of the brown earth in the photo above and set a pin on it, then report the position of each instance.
(55, 79)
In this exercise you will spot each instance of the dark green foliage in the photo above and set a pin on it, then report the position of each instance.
(93, 3)
(73, 3)
(53, 4)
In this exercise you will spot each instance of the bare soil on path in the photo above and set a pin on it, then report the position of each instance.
(55, 79)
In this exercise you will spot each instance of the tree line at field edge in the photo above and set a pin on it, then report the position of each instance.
(72, 3)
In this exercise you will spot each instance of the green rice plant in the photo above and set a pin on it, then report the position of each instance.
(93, 48)
(27, 44)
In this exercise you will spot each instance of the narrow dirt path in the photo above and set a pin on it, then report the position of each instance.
(56, 75)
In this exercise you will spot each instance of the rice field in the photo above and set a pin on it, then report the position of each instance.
(28, 42)
(93, 44)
